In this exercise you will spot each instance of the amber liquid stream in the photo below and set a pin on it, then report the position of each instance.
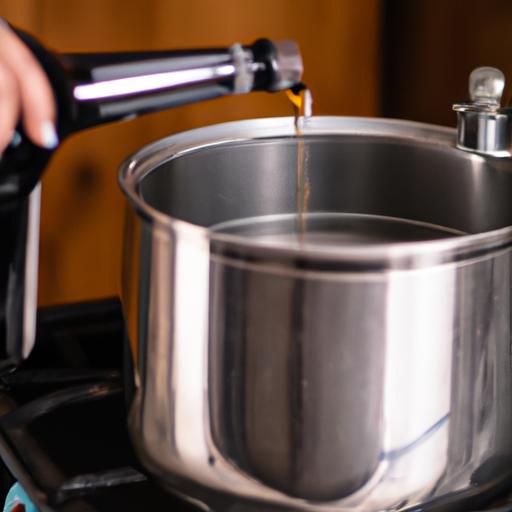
(303, 191)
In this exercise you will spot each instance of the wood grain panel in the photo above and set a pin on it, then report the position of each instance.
(82, 210)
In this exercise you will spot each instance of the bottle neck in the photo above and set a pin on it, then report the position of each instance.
(107, 87)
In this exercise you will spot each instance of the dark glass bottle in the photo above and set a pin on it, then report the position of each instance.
(91, 89)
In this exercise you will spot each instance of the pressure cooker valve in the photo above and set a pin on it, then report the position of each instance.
(483, 125)
(486, 86)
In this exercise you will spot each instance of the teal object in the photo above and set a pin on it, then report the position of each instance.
(17, 495)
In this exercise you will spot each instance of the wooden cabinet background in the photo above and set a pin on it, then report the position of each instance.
(430, 48)
(82, 208)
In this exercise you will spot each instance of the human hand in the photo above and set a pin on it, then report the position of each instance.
(25, 93)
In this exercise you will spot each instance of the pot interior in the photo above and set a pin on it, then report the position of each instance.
(350, 173)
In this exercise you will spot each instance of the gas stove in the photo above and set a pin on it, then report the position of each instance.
(63, 433)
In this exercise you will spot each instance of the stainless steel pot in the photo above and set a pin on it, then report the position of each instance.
(333, 378)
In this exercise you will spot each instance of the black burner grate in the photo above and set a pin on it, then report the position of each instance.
(63, 421)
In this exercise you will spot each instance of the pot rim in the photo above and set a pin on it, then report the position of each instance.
(395, 255)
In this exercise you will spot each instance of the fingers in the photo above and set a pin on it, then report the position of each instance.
(35, 95)
(9, 105)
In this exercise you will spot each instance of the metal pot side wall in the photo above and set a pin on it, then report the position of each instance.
(408, 392)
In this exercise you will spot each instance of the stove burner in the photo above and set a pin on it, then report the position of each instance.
(63, 429)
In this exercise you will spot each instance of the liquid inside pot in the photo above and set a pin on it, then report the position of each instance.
(333, 228)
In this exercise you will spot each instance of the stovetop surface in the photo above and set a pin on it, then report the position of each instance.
(63, 432)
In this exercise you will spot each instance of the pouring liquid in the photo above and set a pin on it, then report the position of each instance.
(300, 98)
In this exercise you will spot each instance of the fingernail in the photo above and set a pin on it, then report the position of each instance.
(49, 135)
(15, 139)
